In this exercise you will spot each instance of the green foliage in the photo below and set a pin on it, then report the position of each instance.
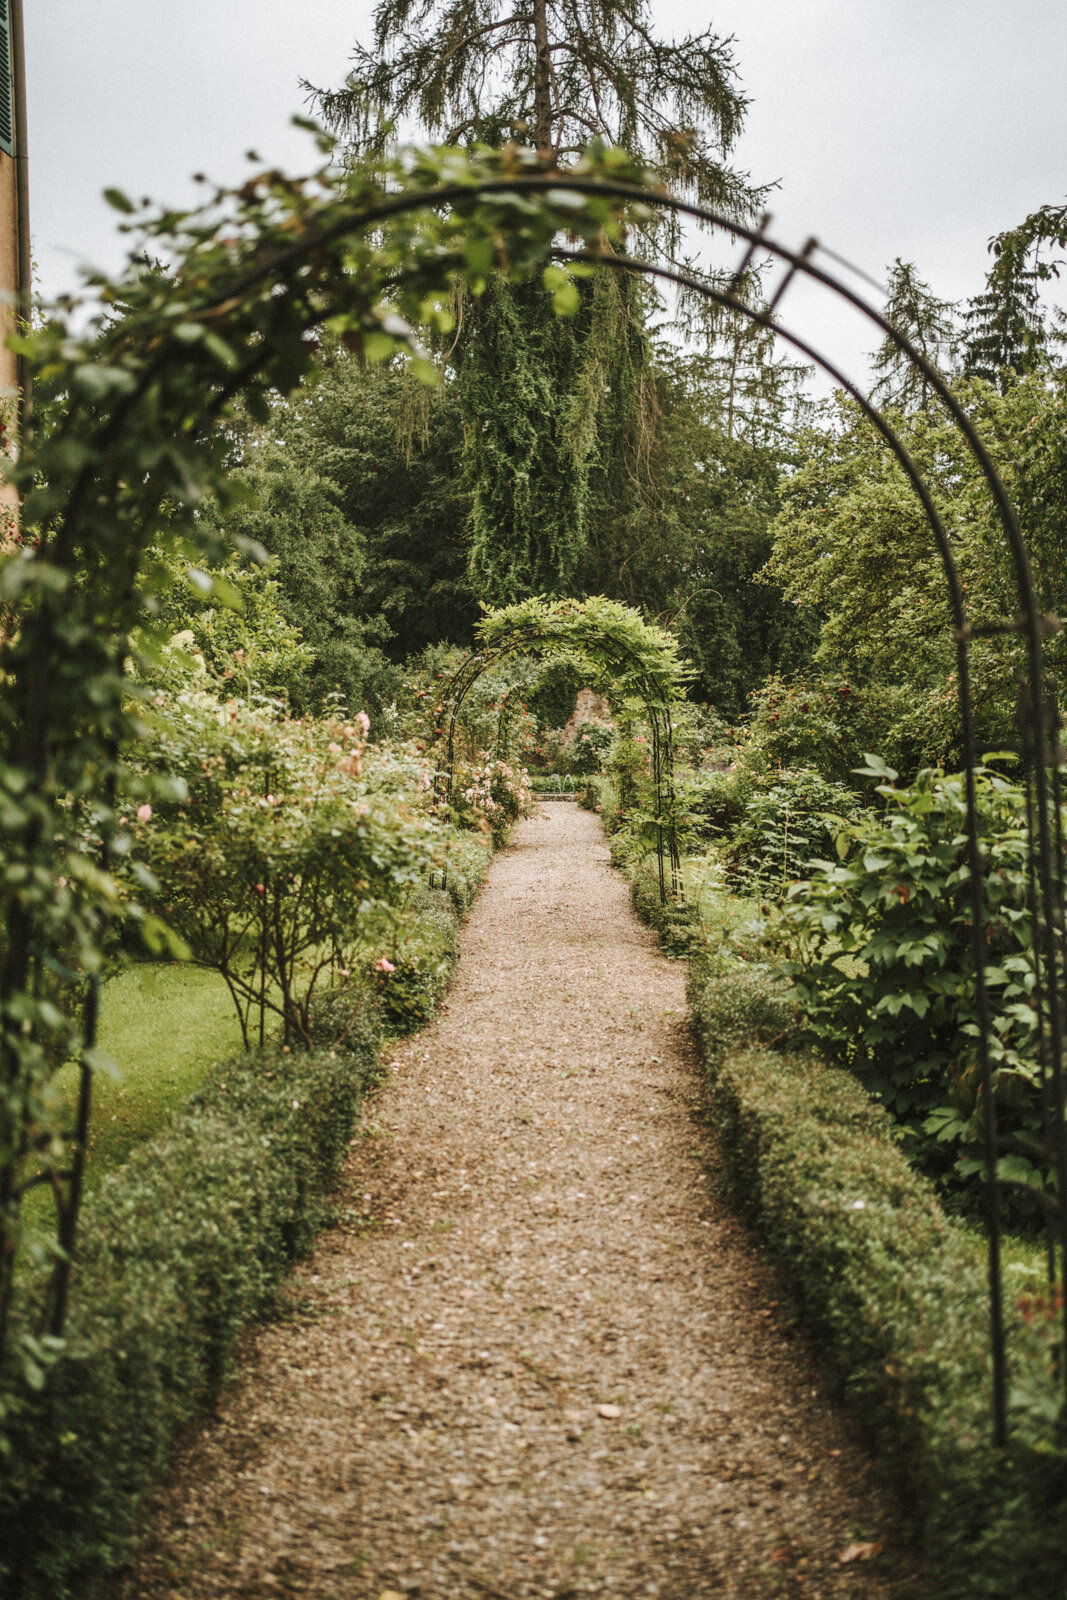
(591, 741)
(424, 954)
(824, 723)
(787, 818)
(179, 1249)
(391, 450)
(852, 541)
(250, 650)
(894, 1293)
(492, 796)
(317, 571)
(670, 919)
(526, 467)
(282, 853)
(128, 451)
(611, 640)
(883, 961)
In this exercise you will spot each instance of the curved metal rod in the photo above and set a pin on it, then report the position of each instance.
(974, 860)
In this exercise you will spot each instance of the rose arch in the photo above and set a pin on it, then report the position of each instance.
(628, 657)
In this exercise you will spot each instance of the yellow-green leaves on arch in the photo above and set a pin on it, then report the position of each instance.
(626, 656)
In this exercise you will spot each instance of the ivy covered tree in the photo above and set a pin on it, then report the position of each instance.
(557, 414)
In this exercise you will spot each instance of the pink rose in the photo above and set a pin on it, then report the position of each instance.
(144, 813)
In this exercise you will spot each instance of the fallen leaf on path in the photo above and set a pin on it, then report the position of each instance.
(859, 1552)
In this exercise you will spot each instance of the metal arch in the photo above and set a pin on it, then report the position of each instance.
(963, 633)
(1041, 738)
(614, 652)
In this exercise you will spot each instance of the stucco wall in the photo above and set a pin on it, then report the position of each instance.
(9, 277)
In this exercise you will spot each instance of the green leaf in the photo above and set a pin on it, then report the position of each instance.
(120, 201)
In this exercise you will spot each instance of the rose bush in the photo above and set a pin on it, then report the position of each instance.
(292, 846)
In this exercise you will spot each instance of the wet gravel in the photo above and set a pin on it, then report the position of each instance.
(539, 1355)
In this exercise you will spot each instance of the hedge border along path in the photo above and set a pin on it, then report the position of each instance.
(540, 1358)
(895, 1291)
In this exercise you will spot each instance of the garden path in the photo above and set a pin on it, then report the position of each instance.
(552, 1364)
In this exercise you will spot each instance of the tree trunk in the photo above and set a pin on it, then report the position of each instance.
(542, 78)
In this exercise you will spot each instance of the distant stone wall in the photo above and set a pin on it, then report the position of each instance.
(589, 707)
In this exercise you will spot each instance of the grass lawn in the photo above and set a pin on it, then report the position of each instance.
(164, 1025)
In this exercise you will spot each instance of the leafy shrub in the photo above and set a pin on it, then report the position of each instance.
(895, 1293)
(712, 804)
(786, 820)
(586, 750)
(179, 1249)
(880, 948)
(493, 795)
(270, 870)
(671, 920)
(411, 983)
(466, 863)
(825, 725)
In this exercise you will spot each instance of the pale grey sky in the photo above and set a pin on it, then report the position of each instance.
(896, 127)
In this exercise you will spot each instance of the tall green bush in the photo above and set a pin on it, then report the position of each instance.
(881, 950)
(281, 855)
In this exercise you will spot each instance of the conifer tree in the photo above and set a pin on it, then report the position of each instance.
(551, 73)
(557, 413)
(930, 324)
(1006, 326)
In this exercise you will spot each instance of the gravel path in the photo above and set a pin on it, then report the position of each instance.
(540, 1356)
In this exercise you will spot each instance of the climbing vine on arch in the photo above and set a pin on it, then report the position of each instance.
(128, 444)
(627, 656)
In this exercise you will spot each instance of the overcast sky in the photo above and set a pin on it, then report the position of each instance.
(912, 128)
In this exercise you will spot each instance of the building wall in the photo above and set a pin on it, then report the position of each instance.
(9, 278)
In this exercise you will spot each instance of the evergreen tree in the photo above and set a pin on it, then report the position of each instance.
(557, 414)
(554, 73)
(929, 324)
(1005, 327)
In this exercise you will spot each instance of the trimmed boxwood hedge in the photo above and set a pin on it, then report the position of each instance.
(893, 1289)
(179, 1249)
(895, 1292)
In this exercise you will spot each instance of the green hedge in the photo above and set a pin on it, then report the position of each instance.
(179, 1249)
(893, 1290)
(426, 956)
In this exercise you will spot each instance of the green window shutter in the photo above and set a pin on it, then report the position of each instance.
(7, 97)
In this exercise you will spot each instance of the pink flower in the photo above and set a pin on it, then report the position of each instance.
(260, 889)
(384, 965)
(144, 813)
(364, 722)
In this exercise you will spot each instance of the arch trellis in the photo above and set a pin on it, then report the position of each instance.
(144, 399)
(607, 636)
